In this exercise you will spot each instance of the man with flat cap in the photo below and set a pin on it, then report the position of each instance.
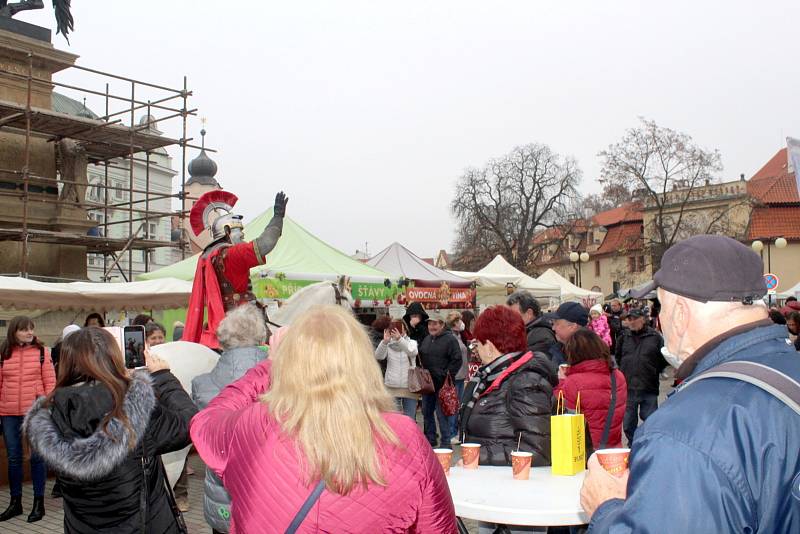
(722, 454)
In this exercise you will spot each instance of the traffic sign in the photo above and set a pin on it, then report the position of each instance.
(772, 282)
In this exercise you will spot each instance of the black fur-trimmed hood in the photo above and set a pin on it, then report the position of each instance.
(96, 454)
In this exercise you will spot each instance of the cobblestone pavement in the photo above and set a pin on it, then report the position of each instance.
(54, 518)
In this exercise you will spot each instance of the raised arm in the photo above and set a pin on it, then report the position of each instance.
(269, 237)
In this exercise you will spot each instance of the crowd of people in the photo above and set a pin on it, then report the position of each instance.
(313, 422)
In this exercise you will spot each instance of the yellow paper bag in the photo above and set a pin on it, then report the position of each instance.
(567, 439)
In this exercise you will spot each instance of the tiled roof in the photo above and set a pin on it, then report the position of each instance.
(627, 212)
(774, 190)
(778, 165)
(546, 236)
(775, 221)
(773, 183)
(626, 236)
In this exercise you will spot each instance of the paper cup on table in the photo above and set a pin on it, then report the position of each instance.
(615, 461)
(445, 457)
(470, 454)
(521, 464)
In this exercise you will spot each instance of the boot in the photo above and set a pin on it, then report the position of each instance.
(37, 512)
(14, 509)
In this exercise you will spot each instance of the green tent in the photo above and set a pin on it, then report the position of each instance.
(299, 259)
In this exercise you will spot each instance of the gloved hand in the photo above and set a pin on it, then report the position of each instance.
(280, 204)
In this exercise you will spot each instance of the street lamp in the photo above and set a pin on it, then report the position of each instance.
(758, 246)
(576, 259)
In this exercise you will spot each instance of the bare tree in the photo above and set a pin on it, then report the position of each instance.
(613, 196)
(501, 206)
(665, 167)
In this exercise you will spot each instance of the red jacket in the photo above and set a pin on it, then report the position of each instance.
(593, 380)
(23, 378)
(260, 467)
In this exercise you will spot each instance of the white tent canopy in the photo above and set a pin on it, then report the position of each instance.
(570, 291)
(399, 261)
(26, 294)
(793, 291)
(494, 277)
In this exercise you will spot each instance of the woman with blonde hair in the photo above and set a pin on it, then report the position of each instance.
(309, 440)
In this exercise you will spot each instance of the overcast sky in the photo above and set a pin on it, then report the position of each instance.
(366, 113)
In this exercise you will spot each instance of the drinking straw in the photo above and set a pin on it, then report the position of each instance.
(519, 441)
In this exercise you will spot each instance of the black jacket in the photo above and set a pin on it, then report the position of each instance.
(439, 355)
(420, 332)
(105, 483)
(522, 404)
(639, 357)
(615, 325)
(540, 335)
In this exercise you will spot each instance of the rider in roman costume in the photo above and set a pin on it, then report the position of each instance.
(222, 279)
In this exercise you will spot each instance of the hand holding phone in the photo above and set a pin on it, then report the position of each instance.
(133, 347)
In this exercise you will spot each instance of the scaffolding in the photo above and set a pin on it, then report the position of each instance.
(109, 143)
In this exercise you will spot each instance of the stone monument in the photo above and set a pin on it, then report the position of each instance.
(24, 49)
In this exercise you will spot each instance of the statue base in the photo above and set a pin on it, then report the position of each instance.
(23, 28)
(44, 212)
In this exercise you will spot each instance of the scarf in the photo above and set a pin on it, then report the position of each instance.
(484, 381)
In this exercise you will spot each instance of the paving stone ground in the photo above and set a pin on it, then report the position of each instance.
(54, 518)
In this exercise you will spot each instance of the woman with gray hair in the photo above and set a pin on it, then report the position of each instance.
(240, 333)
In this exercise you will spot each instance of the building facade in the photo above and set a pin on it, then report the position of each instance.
(764, 209)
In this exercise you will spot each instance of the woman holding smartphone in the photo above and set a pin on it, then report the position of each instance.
(103, 429)
(26, 372)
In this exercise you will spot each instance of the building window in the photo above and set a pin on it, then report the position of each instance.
(572, 279)
(152, 231)
(641, 264)
(615, 286)
(119, 194)
(591, 238)
(597, 268)
(631, 264)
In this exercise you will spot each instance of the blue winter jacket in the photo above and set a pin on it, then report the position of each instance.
(719, 455)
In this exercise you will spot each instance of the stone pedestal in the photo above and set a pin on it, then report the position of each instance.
(17, 52)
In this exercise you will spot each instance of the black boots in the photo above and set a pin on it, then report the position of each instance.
(14, 509)
(37, 512)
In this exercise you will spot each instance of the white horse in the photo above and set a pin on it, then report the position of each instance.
(189, 360)
(338, 293)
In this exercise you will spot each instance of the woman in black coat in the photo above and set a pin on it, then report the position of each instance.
(509, 400)
(103, 430)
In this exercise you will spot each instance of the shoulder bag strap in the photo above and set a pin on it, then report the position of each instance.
(779, 385)
(310, 501)
(41, 355)
(610, 414)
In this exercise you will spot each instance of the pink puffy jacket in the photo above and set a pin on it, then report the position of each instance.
(259, 465)
(23, 378)
(600, 327)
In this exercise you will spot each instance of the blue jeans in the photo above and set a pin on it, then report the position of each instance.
(430, 406)
(639, 404)
(407, 406)
(454, 418)
(12, 434)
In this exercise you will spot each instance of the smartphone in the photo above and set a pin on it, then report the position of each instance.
(133, 346)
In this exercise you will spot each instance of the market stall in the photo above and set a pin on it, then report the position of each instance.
(422, 282)
(498, 278)
(569, 291)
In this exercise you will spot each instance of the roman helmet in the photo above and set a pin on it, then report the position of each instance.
(220, 203)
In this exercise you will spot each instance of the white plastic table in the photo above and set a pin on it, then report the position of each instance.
(492, 495)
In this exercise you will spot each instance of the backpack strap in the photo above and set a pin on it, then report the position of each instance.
(41, 355)
(610, 414)
(303, 512)
(779, 385)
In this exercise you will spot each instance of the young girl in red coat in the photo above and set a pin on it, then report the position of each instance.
(589, 371)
